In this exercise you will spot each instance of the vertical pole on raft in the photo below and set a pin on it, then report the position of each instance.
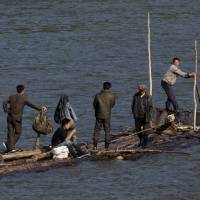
(149, 56)
(195, 84)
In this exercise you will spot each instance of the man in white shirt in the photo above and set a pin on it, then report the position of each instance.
(169, 80)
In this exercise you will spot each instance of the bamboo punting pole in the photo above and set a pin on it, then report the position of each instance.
(149, 56)
(195, 85)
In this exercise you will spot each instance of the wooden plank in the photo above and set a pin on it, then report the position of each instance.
(19, 155)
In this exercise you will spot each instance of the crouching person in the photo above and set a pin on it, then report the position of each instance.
(141, 109)
(65, 135)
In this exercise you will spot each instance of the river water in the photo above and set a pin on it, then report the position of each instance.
(72, 47)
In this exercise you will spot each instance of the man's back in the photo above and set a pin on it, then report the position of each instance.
(17, 103)
(103, 103)
(59, 136)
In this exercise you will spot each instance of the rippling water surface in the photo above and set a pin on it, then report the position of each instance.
(71, 47)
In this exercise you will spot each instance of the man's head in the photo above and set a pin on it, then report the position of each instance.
(67, 124)
(176, 61)
(142, 88)
(107, 85)
(20, 89)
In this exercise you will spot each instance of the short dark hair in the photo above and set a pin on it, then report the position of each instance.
(174, 59)
(65, 121)
(20, 88)
(107, 85)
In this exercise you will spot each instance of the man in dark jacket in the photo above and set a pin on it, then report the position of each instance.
(141, 109)
(103, 104)
(14, 107)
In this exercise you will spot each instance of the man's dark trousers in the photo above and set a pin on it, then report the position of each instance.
(14, 132)
(171, 97)
(105, 123)
(139, 123)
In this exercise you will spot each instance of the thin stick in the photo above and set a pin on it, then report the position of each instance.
(149, 55)
(143, 151)
(195, 85)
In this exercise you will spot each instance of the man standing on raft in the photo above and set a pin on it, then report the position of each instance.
(169, 80)
(14, 106)
(103, 103)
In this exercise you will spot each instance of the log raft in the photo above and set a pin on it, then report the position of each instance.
(123, 146)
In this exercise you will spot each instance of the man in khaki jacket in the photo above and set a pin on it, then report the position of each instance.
(103, 104)
(14, 106)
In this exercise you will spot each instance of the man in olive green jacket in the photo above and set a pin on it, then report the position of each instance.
(103, 104)
(14, 106)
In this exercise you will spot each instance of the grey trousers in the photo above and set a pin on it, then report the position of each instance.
(105, 123)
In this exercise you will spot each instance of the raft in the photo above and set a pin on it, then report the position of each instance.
(124, 146)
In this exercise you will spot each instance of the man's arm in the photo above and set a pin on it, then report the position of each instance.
(133, 104)
(113, 101)
(179, 72)
(95, 102)
(71, 135)
(32, 105)
(6, 105)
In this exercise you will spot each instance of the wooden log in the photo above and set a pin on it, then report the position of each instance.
(133, 154)
(143, 151)
(36, 166)
(19, 155)
(34, 158)
(159, 144)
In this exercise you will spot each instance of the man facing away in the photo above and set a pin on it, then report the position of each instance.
(142, 109)
(14, 106)
(103, 104)
(169, 80)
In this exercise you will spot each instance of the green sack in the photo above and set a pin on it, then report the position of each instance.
(41, 124)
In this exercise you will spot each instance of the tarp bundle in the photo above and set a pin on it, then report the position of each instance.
(64, 110)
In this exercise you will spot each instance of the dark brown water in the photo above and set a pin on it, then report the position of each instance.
(71, 47)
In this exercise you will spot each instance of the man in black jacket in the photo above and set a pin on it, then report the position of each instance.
(14, 106)
(141, 109)
(103, 104)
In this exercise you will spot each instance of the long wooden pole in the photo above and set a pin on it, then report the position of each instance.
(195, 85)
(149, 55)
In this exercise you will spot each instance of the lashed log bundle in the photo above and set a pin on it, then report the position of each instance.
(18, 155)
(123, 146)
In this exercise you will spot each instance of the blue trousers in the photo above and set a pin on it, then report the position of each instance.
(171, 99)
